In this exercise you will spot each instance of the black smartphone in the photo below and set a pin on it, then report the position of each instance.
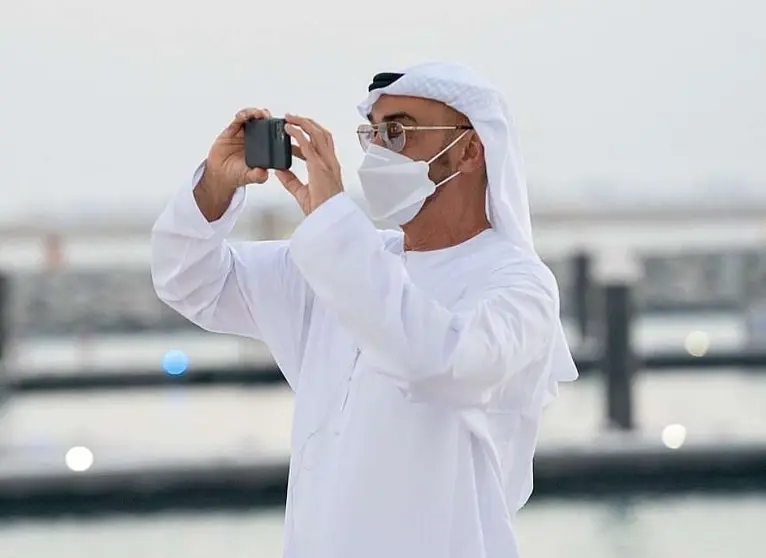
(267, 145)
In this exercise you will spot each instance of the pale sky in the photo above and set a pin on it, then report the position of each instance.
(108, 107)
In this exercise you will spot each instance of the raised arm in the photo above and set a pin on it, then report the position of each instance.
(455, 355)
(251, 289)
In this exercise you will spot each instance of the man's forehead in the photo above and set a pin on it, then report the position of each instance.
(405, 107)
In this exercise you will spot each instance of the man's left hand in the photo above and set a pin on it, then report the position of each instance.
(316, 147)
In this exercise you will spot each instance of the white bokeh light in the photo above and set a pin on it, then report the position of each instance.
(79, 459)
(674, 436)
(697, 343)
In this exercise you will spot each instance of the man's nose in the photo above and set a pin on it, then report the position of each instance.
(377, 139)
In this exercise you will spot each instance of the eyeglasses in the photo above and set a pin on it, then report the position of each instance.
(394, 134)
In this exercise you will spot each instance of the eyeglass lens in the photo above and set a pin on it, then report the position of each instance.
(392, 135)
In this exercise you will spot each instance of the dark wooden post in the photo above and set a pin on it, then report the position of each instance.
(582, 303)
(4, 337)
(619, 272)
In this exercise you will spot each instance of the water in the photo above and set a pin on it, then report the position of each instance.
(697, 526)
(228, 423)
(84, 353)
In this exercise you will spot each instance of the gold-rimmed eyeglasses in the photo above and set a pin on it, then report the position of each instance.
(393, 135)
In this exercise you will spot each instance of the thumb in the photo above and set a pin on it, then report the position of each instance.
(291, 183)
(256, 176)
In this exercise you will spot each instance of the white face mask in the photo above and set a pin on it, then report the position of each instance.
(395, 186)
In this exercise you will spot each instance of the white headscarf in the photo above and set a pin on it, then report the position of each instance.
(472, 95)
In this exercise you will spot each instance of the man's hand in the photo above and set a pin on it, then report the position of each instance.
(226, 160)
(225, 168)
(316, 147)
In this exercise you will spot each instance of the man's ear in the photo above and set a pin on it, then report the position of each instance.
(472, 158)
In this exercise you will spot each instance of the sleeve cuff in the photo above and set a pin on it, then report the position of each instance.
(324, 217)
(184, 213)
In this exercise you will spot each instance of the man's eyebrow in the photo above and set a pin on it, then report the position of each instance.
(395, 116)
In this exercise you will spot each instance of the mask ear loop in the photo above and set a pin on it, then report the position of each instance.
(449, 146)
(442, 152)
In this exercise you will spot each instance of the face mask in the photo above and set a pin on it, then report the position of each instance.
(395, 186)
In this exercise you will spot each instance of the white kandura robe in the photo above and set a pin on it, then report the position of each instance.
(417, 375)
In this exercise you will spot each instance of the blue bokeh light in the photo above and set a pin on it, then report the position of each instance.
(175, 362)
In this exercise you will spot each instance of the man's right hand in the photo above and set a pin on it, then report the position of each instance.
(225, 167)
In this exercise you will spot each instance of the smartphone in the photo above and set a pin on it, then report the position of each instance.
(267, 145)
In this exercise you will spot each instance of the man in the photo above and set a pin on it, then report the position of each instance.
(421, 360)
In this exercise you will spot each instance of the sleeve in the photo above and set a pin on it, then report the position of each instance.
(456, 356)
(250, 289)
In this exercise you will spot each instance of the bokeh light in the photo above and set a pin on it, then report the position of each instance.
(697, 343)
(674, 436)
(175, 362)
(79, 459)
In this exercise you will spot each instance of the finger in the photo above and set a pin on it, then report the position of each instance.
(256, 176)
(241, 117)
(307, 149)
(297, 152)
(250, 113)
(303, 123)
(325, 145)
(320, 137)
(325, 134)
(319, 127)
(307, 125)
(291, 183)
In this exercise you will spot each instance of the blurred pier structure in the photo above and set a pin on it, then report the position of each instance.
(83, 319)
(93, 278)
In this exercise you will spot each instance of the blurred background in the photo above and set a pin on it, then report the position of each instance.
(125, 431)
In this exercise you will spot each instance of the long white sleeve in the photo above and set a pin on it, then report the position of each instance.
(457, 356)
(251, 289)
